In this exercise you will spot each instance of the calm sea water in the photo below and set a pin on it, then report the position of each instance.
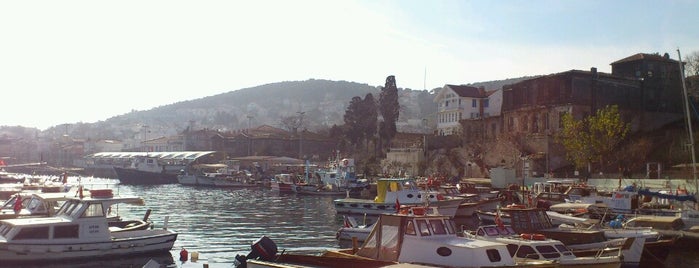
(220, 223)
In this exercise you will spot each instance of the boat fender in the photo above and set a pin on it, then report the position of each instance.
(184, 255)
(533, 236)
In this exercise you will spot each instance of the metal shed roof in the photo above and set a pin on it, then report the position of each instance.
(188, 155)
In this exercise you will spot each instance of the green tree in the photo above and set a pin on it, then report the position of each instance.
(352, 118)
(692, 64)
(389, 108)
(593, 137)
(369, 117)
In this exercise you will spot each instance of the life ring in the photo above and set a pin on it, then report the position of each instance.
(440, 197)
(533, 236)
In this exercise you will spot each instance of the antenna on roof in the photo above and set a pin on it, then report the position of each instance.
(424, 80)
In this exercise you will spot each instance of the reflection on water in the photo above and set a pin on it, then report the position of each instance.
(221, 223)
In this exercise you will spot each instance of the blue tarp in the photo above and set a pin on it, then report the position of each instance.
(668, 196)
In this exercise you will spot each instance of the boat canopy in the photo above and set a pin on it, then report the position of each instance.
(668, 196)
(186, 155)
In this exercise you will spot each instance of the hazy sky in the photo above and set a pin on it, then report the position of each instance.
(85, 61)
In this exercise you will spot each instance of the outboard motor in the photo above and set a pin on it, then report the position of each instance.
(264, 249)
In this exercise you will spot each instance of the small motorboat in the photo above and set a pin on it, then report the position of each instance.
(80, 229)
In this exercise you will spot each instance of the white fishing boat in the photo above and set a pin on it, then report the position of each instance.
(539, 247)
(79, 230)
(410, 238)
(391, 193)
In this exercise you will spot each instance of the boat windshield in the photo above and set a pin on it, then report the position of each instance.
(68, 208)
(36, 206)
(4, 229)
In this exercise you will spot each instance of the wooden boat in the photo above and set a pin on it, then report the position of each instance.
(240, 179)
(283, 183)
(79, 230)
(538, 246)
(393, 192)
(410, 237)
(483, 192)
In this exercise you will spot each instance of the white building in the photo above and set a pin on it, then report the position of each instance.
(457, 102)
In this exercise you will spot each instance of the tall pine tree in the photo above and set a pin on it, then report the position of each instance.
(389, 108)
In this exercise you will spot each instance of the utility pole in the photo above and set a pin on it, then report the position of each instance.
(248, 135)
(300, 134)
(688, 116)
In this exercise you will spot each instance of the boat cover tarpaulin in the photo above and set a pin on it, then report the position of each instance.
(189, 155)
(668, 196)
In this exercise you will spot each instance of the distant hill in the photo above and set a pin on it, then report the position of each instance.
(322, 101)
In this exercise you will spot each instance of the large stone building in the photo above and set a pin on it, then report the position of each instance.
(270, 141)
(645, 87)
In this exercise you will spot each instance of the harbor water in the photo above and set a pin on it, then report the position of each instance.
(220, 223)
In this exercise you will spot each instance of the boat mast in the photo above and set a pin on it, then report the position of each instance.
(689, 123)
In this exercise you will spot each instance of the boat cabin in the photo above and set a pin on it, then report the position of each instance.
(33, 205)
(405, 190)
(528, 246)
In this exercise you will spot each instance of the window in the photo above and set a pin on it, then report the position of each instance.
(512, 249)
(423, 227)
(474, 103)
(548, 252)
(564, 250)
(438, 227)
(4, 229)
(527, 252)
(486, 103)
(36, 206)
(410, 228)
(94, 210)
(68, 231)
(451, 227)
(493, 255)
(33, 233)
